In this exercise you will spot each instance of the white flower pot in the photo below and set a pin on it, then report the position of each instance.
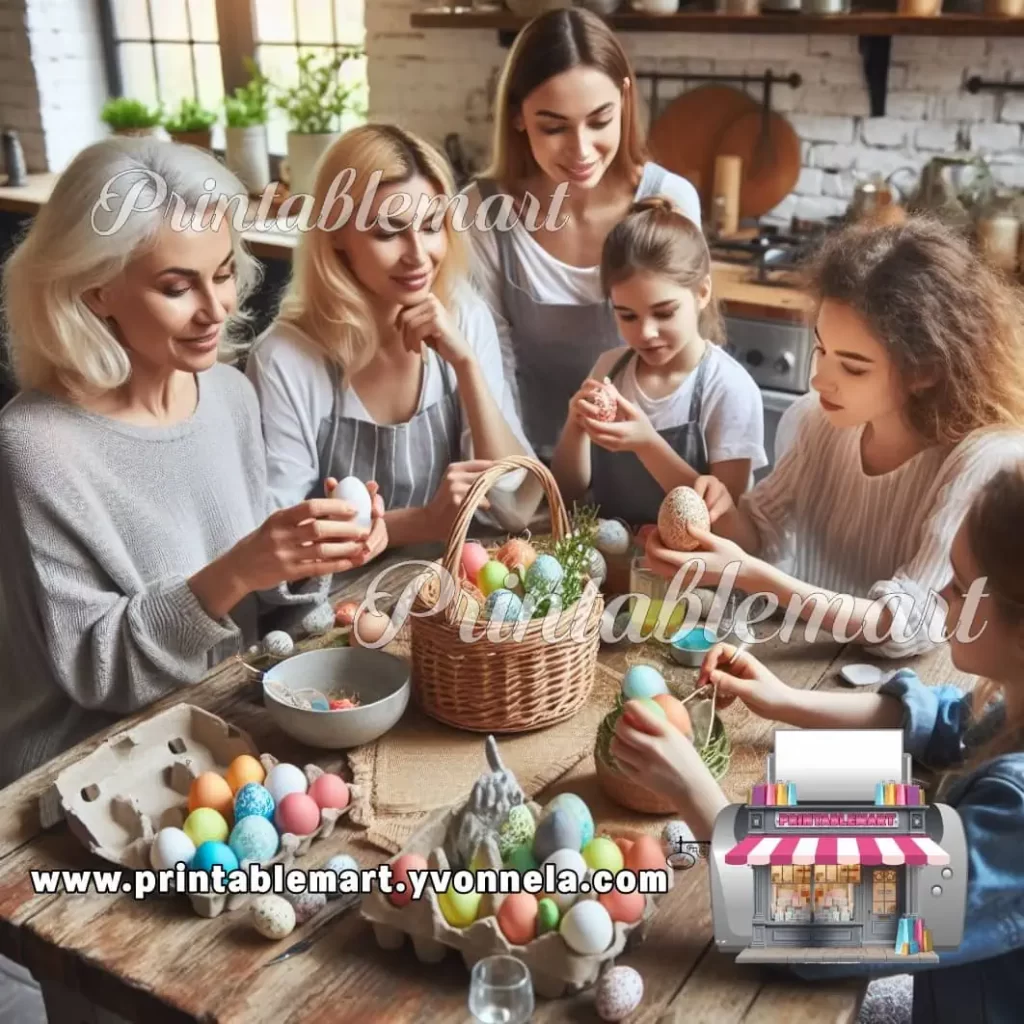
(303, 153)
(247, 155)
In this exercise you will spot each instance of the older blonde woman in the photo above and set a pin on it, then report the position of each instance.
(137, 531)
(383, 362)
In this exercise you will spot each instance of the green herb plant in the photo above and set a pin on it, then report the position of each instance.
(316, 105)
(122, 112)
(190, 116)
(249, 104)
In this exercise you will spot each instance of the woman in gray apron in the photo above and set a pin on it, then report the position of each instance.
(566, 118)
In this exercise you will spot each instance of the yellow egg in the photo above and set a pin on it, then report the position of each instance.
(459, 909)
(205, 825)
(245, 768)
(211, 790)
(602, 854)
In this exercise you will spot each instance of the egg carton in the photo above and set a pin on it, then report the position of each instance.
(555, 968)
(116, 799)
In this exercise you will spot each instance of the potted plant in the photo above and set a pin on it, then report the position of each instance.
(315, 108)
(246, 148)
(125, 116)
(191, 124)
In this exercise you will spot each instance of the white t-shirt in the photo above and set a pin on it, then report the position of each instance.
(548, 278)
(296, 393)
(732, 413)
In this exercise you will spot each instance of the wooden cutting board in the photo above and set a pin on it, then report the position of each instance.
(771, 161)
(685, 137)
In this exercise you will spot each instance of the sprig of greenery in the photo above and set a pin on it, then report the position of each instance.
(124, 112)
(573, 553)
(249, 104)
(316, 105)
(190, 117)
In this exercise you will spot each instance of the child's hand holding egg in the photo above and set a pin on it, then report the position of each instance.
(682, 507)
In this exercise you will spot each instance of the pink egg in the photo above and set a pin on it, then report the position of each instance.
(400, 868)
(474, 556)
(297, 813)
(330, 791)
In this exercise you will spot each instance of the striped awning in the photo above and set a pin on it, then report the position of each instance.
(869, 850)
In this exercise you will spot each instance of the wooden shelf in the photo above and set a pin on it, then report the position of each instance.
(866, 23)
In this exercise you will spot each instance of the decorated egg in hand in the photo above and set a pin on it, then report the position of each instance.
(682, 505)
(605, 404)
(352, 490)
(676, 713)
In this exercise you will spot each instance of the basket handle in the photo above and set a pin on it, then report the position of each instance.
(483, 483)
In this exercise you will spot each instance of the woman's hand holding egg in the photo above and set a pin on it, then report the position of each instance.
(715, 555)
(715, 495)
(428, 322)
(377, 541)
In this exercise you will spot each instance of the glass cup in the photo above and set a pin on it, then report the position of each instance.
(501, 991)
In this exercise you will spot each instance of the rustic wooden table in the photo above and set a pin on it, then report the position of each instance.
(104, 959)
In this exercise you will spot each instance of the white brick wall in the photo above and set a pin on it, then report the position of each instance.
(52, 80)
(437, 82)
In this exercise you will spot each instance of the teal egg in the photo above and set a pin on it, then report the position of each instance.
(544, 575)
(521, 859)
(503, 606)
(557, 830)
(577, 809)
(643, 681)
(254, 838)
(254, 799)
(211, 853)
(697, 639)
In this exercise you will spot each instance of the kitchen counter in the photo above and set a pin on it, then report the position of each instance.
(274, 240)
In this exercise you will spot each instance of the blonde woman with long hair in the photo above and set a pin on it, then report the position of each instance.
(383, 363)
(138, 534)
(566, 116)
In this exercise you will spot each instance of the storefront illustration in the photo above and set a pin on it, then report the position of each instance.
(842, 860)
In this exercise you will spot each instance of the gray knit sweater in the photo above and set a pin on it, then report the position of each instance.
(101, 523)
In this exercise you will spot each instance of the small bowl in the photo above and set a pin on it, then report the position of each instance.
(693, 656)
(379, 680)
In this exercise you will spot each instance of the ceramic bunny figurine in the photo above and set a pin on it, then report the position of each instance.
(493, 794)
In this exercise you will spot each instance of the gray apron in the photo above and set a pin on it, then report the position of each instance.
(619, 481)
(555, 345)
(407, 460)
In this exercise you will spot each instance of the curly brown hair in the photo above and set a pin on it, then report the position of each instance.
(949, 321)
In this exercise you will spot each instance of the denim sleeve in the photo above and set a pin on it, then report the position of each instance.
(992, 812)
(934, 718)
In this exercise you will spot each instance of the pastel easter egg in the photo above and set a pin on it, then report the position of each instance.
(278, 643)
(297, 813)
(521, 859)
(682, 505)
(283, 779)
(272, 916)
(566, 860)
(211, 790)
(518, 829)
(619, 992)
(346, 868)
(369, 627)
(576, 808)
(675, 712)
(474, 558)
(517, 917)
(330, 790)
(171, 846)
(352, 490)
(254, 838)
(558, 830)
(602, 854)
(597, 567)
(587, 928)
(459, 908)
(400, 868)
(612, 537)
(643, 681)
(212, 853)
(503, 606)
(306, 905)
(254, 799)
(544, 576)
(244, 769)
(646, 854)
(548, 915)
(492, 576)
(205, 825)
(627, 907)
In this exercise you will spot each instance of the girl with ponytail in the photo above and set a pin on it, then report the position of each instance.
(683, 407)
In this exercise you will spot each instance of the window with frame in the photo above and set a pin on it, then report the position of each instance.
(164, 51)
(835, 891)
(791, 892)
(883, 893)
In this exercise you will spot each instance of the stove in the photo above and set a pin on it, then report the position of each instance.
(775, 257)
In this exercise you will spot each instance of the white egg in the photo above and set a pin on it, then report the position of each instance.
(284, 779)
(170, 847)
(619, 992)
(566, 859)
(355, 492)
(587, 928)
(272, 916)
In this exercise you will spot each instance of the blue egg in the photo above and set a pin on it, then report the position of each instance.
(211, 853)
(254, 838)
(544, 575)
(698, 639)
(254, 799)
(503, 606)
(643, 681)
(577, 808)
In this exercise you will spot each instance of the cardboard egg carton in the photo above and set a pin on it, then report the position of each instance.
(116, 799)
(555, 968)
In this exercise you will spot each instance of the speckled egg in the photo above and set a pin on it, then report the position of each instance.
(643, 681)
(319, 620)
(254, 838)
(544, 576)
(604, 402)
(558, 830)
(272, 916)
(306, 904)
(341, 864)
(597, 567)
(517, 829)
(619, 992)
(503, 606)
(577, 809)
(683, 851)
(682, 505)
(278, 643)
(612, 537)
(254, 799)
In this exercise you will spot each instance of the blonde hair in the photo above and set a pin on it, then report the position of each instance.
(74, 245)
(324, 299)
(549, 45)
(656, 237)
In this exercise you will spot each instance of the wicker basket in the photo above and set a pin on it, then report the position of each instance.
(534, 673)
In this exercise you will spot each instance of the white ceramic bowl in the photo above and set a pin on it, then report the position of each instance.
(379, 680)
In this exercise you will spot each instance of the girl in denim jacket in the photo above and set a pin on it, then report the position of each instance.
(976, 738)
